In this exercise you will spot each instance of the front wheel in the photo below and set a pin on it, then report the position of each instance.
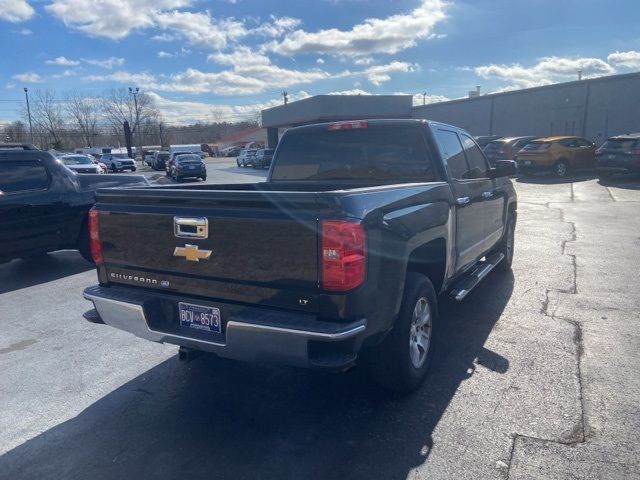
(561, 169)
(507, 244)
(401, 362)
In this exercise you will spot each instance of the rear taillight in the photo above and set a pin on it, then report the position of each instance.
(635, 151)
(342, 251)
(94, 236)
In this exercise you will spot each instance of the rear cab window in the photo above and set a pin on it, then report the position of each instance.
(22, 176)
(378, 152)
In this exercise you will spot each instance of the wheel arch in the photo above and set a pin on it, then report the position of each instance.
(430, 259)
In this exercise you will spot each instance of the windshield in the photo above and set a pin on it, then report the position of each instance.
(120, 155)
(163, 156)
(388, 153)
(77, 160)
(494, 146)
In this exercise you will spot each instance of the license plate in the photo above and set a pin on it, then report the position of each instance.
(611, 157)
(528, 162)
(199, 317)
(191, 168)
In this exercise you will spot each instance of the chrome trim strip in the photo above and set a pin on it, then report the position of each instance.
(306, 333)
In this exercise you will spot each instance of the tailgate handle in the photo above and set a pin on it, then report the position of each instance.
(190, 227)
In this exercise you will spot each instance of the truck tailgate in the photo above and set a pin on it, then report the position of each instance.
(260, 243)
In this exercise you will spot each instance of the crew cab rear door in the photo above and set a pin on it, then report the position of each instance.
(31, 217)
(468, 195)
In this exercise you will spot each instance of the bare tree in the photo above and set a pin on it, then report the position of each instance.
(119, 106)
(47, 116)
(83, 111)
(15, 132)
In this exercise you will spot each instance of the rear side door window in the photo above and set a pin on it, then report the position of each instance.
(453, 154)
(22, 176)
(478, 167)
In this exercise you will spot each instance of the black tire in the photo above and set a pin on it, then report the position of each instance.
(133, 169)
(507, 244)
(392, 365)
(238, 162)
(114, 169)
(204, 179)
(561, 168)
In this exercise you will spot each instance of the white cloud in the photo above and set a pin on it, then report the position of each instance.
(548, 70)
(420, 99)
(355, 91)
(15, 10)
(276, 26)
(27, 77)
(379, 74)
(64, 61)
(200, 28)
(163, 54)
(374, 35)
(24, 31)
(629, 59)
(363, 61)
(122, 76)
(65, 73)
(250, 73)
(186, 112)
(108, 63)
(320, 61)
(113, 19)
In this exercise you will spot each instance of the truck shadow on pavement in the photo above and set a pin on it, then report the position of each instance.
(226, 420)
(20, 273)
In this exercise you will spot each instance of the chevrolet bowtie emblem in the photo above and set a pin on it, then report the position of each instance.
(192, 253)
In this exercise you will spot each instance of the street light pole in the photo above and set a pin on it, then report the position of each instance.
(26, 94)
(135, 92)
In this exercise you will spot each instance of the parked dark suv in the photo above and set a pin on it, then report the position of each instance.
(263, 158)
(619, 154)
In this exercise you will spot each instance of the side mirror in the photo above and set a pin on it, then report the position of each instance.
(504, 168)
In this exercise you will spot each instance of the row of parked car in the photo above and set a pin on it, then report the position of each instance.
(257, 158)
(562, 155)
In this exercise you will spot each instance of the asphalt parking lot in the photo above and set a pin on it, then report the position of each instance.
(536, 374)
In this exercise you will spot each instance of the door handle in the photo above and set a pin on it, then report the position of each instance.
(487, 194)
(462, 201)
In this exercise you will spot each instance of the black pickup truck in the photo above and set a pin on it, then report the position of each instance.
(43, 204)
(346, 248)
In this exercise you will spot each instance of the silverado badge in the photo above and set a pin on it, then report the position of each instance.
(192, 253)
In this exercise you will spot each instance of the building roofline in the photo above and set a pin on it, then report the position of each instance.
(531, 89)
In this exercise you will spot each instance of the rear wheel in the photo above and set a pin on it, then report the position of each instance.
(238, 161)
(561, 168)
(401, 362)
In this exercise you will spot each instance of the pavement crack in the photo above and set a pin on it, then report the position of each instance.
(578, 434)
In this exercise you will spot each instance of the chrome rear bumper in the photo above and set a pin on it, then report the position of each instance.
(285, 339)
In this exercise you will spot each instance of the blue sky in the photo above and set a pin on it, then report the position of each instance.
(228, 58)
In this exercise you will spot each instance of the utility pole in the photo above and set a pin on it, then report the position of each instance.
(424, 98)
(579, 74)
(285, 97)
(135, 92)
(26, 94)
